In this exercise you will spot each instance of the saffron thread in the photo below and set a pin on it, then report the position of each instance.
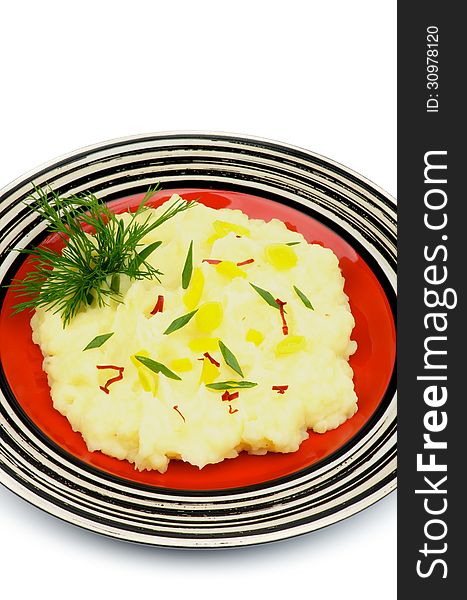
(280, 389)
(119, 377)
(176, 409)
(285, 327)
(211, 359)
(159, 306)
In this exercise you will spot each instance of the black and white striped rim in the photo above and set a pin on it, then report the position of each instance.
(359, 474)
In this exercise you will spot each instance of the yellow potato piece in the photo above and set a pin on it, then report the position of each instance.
(255, 336)
(223, 228)
(209, 316)
(135, 361)
(230, 269)
(281, 256)
(181, 365)
(209, 372)
(204, 344)
(193, 294)
(148, 379)
(290, 344)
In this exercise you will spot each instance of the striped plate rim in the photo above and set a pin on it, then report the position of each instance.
(360, 473)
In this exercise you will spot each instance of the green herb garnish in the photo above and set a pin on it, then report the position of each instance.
(188, 267)
(180, 322)
(267, 296)
(230, 385)
(292, 243)
(87, 270)
(230, 359)
(303, 298)
(144, 254)
(98, 341)
(115, 283)
(157, 367)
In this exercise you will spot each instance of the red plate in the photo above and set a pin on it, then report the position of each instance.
(373, 362)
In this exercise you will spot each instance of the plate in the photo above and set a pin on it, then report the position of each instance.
(249, 499)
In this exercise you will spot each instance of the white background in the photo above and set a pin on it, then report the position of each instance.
(321, 75)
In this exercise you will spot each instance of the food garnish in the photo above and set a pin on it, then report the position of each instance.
(194, 292)
(119, 377)
(232, 411)
(98, 341)
(285, 327)
(181, 365)
(291, 344)
(292, 243)
(223, 228)
(230, 385)
(209, 316)
(141, 256)
(276, 303)
(149, 380)
(230, 358)
(245, 262)
(209, 372)
(229, 269)
(280, 389)
(303, 298)
(255, 336)
(211, 359)
(85, 271)
(178, 410)
(266, 296)
(229, 396)
(159, 306)
(180, 322)
(157, 367)
(188, 267)
(204, 344)
(281, 256)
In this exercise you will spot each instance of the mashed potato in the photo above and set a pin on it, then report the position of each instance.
(302, 375)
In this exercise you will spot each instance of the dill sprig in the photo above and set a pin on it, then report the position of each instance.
(89, 267)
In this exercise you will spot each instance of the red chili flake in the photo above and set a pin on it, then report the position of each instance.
(119, 377)
(159, 307)
(229, 396)
(285, 328)
(245, 262)
(232, 412)
(211, 359)
(280, 389)
(211, 261)
(176, 408)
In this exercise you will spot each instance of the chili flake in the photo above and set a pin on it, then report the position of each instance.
(232, 412)
(228, 396)
(159, 306)
(211, 359)
(280, 389)
(245, 262)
